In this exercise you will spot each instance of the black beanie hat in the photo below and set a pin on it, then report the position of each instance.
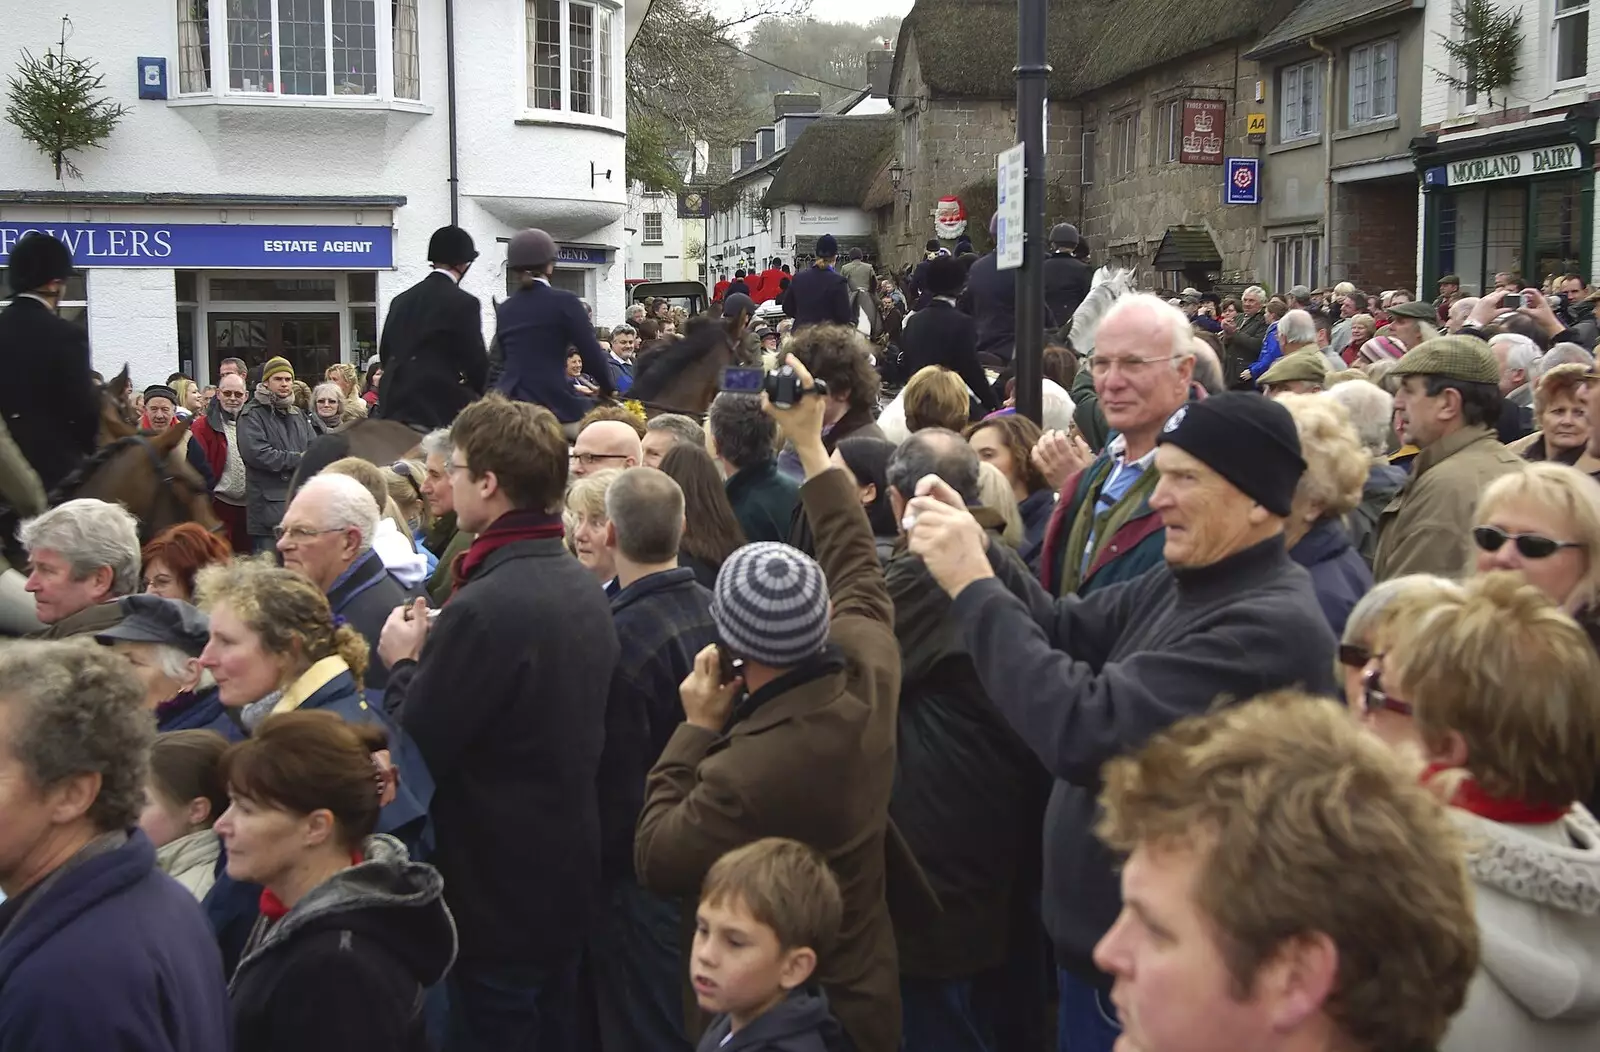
(1248, 439)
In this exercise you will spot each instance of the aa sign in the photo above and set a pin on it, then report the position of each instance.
(1257, 124)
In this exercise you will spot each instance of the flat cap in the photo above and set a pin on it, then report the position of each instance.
(151, 619)
(1309, 366)
(1414, 309)
(1463, 358)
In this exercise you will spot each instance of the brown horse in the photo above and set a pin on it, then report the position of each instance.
(684, 376)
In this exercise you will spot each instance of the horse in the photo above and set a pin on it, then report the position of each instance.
(1106, 287)
(686, 375)
(147, 474)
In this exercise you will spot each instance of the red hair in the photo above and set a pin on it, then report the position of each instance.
(185, 549)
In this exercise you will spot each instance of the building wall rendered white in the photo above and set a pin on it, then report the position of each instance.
(678, 238)
(132, 322)
(512, 175)
(1535, 86)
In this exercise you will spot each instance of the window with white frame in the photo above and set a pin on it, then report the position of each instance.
(1295, 259)
(1372, 88)
(74, 302)
(652, 228)
(299, 48)
(571, 51)
(1300, 95)
(1125, 144)
(1169, 131)
(652, 272)
(1569, 40)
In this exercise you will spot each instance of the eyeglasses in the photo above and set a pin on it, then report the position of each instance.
(1129, 364)
(230, 394)
(588, 459)
(1352, 656)
(298, 534)
(1374, 698)
(1529, 545)
(451, 467)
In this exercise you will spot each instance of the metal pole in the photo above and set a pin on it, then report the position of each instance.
(1033, 84)
(450, 103)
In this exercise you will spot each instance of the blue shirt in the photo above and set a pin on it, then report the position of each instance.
(1124, 473)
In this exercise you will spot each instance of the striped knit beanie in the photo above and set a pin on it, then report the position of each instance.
(771, 604)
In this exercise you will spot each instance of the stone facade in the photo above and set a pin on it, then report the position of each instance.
(1125, 215)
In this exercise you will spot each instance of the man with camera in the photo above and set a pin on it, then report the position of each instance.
(799, 742)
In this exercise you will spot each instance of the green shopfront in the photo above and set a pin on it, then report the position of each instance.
(1520, 202)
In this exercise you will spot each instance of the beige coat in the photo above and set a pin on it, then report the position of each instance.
(191, 861)
(1426, 526)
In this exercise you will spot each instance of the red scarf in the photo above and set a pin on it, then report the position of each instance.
(517, 525)
(1472, 799)
(273, 908)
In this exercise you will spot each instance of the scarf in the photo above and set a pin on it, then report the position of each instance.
(252, 714)
(272, 907)
(265, 396)
(519, 524)
(1472, 799)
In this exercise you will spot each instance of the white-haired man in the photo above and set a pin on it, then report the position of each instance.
(1517, 356)
(1371, 411)
(326, 537)
(1242, 338)
(1103, 529)
(85, 556)
(1460, 312)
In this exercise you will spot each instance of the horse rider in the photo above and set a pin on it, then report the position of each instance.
(51, 404)
(1066, 277)
(434, 361)
(535, 328)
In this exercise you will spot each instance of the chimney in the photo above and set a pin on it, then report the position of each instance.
(880, 64)
(765, 138)
(795, 102)
(747, 153)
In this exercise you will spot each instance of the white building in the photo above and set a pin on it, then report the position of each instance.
(662, 246)
(742, 231)
(1510, 186)
(252, 204)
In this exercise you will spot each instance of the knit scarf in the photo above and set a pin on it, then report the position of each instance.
(1472, 799)
(518, 525)
(265, 397)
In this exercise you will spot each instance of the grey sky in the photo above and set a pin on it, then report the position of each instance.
(828, 10)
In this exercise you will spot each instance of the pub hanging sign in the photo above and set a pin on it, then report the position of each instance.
(1203, 122)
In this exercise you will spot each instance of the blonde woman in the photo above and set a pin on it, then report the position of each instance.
(1368, 632)
(995, 492)
(274, 648)
(586, 526)
(1330, 488)
(1543, 522)
(1499, 685)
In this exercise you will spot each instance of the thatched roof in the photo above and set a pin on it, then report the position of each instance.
(834, 162)
(968, 48)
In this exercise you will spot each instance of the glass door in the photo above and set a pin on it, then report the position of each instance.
(309, 341)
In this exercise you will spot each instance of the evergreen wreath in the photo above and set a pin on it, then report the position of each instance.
(55, 104)
(1485, 51)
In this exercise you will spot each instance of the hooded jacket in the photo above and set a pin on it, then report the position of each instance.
(1537, 900)
(347, 966)
(108, 953)
(192, 861)
(798, 1023)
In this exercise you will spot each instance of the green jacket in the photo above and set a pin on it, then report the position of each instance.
(443, 579)
(1425, 527)
(1086, 410)
(763, 500)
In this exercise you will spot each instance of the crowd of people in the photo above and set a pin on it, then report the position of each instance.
(1252, 701)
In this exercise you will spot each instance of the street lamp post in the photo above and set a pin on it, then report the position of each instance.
(1033, 83)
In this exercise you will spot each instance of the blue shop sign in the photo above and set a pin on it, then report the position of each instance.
(215, 246)
(588, 255)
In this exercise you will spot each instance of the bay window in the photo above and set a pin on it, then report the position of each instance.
(571, 53)
(299, 48)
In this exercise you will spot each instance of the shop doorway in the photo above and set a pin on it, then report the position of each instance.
(309, 341)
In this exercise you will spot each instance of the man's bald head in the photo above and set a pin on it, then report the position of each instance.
(605, 444)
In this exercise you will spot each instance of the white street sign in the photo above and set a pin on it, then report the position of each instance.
(1008, 207)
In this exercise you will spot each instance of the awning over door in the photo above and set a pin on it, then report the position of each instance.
(1187, 247)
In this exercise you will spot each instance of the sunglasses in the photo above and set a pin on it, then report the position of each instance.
(405, 471)
(1352, 656)
(1374, 698)
(1529, 545)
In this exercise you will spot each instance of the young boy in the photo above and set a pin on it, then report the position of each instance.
(766, 911)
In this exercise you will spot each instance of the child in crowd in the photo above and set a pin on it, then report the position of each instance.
(767, 910)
